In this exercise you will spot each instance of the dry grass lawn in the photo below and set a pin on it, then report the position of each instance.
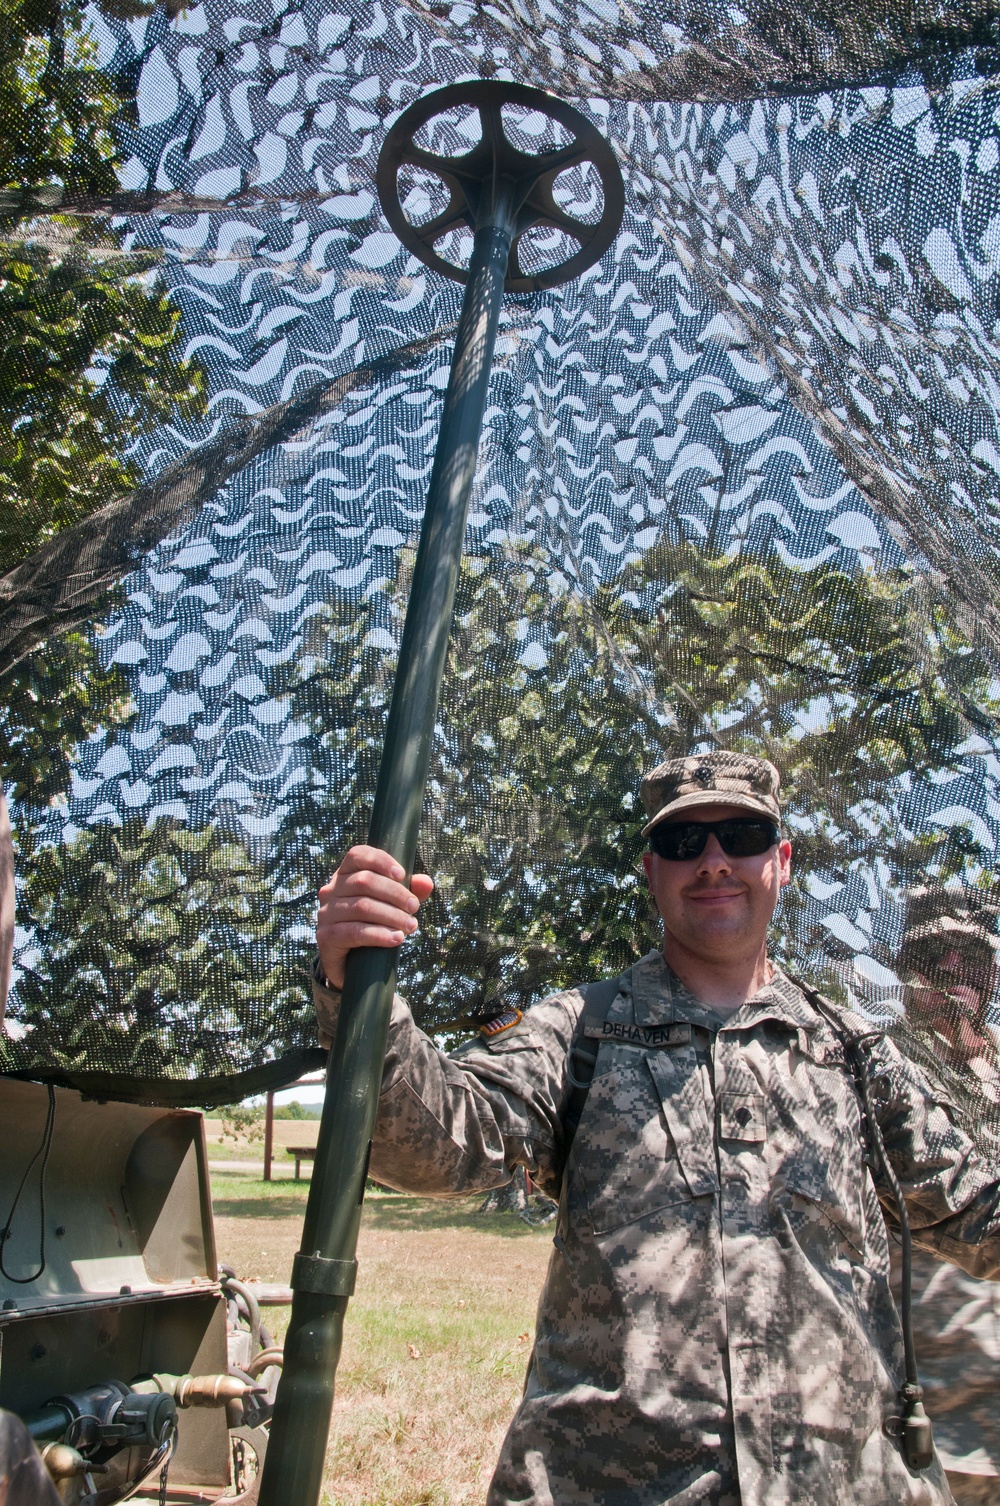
(436, 1340)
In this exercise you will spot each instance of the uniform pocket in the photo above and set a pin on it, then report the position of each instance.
(641, 1145)
(821, 1169)
(680, 1082)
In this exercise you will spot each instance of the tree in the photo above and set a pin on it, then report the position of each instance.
(847, 681)
(157, 953)
(58, 110)
(90, 358)
(556, 701)
(90, 361)
(242, 1121)
(50, 703)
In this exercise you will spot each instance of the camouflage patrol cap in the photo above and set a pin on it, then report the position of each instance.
(710, 779)
(938, 918)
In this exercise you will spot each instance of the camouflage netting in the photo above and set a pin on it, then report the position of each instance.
(739, 487)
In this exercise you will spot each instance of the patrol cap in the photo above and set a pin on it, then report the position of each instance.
(939, 920)
(720, 778)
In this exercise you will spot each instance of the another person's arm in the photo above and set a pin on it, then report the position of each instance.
(446, 1124)
(952, 1193)
(6, 904)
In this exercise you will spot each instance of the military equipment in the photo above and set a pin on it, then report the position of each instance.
(122, 1346)
(500, 193)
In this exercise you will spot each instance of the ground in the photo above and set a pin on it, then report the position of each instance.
(436, 1340)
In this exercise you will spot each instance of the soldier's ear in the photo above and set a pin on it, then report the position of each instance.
(784, 863)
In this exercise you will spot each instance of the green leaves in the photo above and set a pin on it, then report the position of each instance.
(158, 952)
(856, 685)
(90, 358)
(88, 361)
(58, 110)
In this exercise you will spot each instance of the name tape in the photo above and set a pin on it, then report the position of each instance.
(676, 1033)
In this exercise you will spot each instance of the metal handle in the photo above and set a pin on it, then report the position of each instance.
(504, 192)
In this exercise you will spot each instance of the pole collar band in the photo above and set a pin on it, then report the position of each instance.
(325, 1278)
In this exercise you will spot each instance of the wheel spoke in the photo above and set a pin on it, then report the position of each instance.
(549, 213)
(492, 123)
(416, 156)
(557, 161)
(455, 214)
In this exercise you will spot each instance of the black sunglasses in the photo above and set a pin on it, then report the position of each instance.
(739, 837)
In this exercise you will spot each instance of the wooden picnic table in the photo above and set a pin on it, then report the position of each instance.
(301, 1153)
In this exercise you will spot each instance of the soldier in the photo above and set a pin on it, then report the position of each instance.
(7, 896)
(716, 1323)
(24, 1480)
(948, 963)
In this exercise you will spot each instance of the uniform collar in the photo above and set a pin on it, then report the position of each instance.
(659, 997)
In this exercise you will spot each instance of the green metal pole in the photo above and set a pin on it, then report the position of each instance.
(323, 1274)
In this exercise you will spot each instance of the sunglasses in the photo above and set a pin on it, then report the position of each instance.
(739, 837)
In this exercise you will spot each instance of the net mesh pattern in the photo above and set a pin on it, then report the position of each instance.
(738, 488)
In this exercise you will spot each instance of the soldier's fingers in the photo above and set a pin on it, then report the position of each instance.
(360, 932)
(374, 859)
(347, 909)
(336, 944)
(366, 885)
(350, 880)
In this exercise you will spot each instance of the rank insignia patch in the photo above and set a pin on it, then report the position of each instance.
(505, 1021)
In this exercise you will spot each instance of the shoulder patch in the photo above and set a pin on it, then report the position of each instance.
(505, 1021)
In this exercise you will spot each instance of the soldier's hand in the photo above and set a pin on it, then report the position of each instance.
(366, 903)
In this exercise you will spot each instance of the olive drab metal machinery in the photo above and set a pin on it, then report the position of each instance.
(500, 193)
(139, 1370)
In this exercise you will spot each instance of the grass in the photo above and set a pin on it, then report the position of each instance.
(436, 1341)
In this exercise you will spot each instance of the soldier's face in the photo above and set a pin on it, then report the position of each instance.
(960, 986)
(715, 899)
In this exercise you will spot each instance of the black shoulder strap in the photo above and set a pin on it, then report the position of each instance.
(597, 1000)
(916, 1434)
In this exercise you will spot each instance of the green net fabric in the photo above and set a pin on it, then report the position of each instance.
(738, 487)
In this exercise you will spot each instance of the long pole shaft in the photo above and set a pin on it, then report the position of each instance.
(323, 1275)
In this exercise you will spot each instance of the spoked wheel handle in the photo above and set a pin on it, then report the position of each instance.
(475, 178)
(500, 193)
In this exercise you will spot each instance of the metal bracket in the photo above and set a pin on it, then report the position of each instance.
(328, 1278)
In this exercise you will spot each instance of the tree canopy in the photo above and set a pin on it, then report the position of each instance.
(854, 684)
(189, 949)
(157, 951)
(90, 358)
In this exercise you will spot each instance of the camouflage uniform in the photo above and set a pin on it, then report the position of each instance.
(956, 1327)
(716, 1324)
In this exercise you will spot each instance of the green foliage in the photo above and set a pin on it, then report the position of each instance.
(50, 703)
(88, 360)
(157, 951)
(88, 341)
(90, 357)
(295, 1110)
(242, 1122)
(855, 685)
(58, 111)
(166, 951)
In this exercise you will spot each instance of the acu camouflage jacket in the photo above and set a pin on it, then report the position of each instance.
(716, 1324)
